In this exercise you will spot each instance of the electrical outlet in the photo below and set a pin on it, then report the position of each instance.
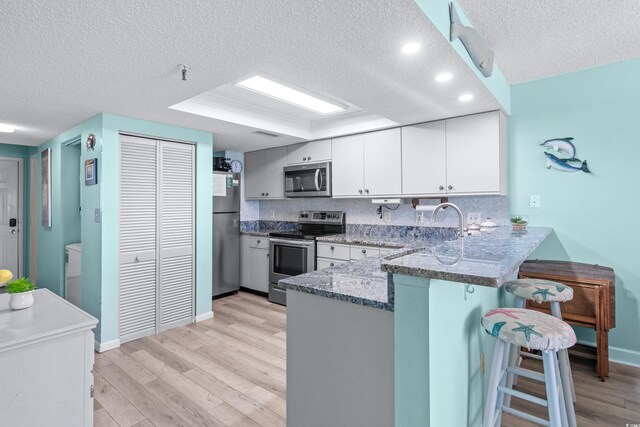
(97, 217)
(482, 362)
(272, 214)
(473, 218)
(534, 201)
(386, 216)
(419, 216)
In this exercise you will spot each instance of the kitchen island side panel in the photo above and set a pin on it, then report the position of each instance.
(339, 363)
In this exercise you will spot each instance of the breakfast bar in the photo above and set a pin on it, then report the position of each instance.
(413, 337)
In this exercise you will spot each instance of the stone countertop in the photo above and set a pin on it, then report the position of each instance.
(410, 238)
(486, 260)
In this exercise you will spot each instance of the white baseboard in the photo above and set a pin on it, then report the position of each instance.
(105, 346)
(205, 316)
(619, 355)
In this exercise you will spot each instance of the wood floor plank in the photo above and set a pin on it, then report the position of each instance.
(269, 400)
(117, 405)
(259, 334)
(219, 371)
(152, 408)
(130, 366)
(184, 385)
(165, 356)
(215, 386)
(144, 423)
(230, 416)
(276, 350)
(101, 360)
(181, 405)
(257, 412)
(101, 418)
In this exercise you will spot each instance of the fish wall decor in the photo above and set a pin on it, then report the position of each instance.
(476, 45)
(564, 145)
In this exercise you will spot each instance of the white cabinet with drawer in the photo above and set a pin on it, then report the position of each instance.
(254, 263)
(357, 252)
(326, 263)
(333, 251)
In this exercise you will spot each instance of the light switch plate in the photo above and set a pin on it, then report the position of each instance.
(96, 216)
(534, 201)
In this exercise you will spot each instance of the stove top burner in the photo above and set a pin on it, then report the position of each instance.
(312, 224)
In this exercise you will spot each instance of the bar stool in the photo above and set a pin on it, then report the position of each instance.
(554, 293)
(536, 331)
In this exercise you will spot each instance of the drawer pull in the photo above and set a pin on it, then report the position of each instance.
(258, 242)
(331, 264)
(332, 248)
(364, 251)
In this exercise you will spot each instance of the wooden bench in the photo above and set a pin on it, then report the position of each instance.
(593, 304)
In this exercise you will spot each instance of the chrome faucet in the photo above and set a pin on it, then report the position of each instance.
(458, 211)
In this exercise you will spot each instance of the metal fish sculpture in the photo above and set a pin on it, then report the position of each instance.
(561, 144)
(478, 48)
(564, 164)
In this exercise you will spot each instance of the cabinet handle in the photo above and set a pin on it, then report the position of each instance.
(450, 187)
(137, 259)
(331, 264)
(262, 194)
(366, 191)
(332, 248)
(308, 158)
(267, 255)
(360, 191)
(266, 194)
(257, 242)
(304, 159)
(364, 251)
(441, 187)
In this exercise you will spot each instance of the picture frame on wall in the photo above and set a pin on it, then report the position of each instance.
(45, 157)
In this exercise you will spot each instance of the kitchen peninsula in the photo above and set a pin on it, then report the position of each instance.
(401, 328)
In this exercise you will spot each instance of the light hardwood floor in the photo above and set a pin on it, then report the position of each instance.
(230, 370)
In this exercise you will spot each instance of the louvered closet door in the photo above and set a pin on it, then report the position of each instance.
(176, 234)
(138, 213)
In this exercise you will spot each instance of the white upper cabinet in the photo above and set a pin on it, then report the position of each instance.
(367, 164)
(477, 154)
(383, 163)
(348, 166)
(263, 175)
(305, 152)
(424, 170)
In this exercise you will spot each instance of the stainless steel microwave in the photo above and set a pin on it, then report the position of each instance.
(310, 180)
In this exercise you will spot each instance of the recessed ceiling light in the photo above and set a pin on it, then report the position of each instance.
(444, 77)
(5, 128)
(286, 94)
(465, 98)
(411, 48)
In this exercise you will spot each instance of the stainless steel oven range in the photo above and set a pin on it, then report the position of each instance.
(292, 253)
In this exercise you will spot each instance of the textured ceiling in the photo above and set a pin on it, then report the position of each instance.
(543, 38)
(66, 61)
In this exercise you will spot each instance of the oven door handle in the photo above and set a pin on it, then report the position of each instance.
(289, 243)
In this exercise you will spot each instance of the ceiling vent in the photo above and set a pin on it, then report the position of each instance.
(265, 133)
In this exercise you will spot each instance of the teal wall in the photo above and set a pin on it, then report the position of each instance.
(64, 229)
(100, 239)
(592, 215)
(438, 13)
(22, 152)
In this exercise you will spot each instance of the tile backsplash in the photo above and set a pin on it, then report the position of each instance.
(362, 211)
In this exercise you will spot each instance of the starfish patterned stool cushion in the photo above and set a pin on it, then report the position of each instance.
(528, 328)
(539, 290)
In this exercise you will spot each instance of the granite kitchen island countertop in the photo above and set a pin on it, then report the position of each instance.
(486, 260)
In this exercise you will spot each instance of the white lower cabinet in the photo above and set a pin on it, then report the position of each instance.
(254, 263)
(332, 254)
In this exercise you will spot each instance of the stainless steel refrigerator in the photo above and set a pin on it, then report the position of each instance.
(226, 233)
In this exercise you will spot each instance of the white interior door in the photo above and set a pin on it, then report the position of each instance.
(175, 234)
(138, 212)
(9, 217)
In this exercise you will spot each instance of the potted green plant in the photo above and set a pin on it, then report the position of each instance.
(21, 291)
(519, 222)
